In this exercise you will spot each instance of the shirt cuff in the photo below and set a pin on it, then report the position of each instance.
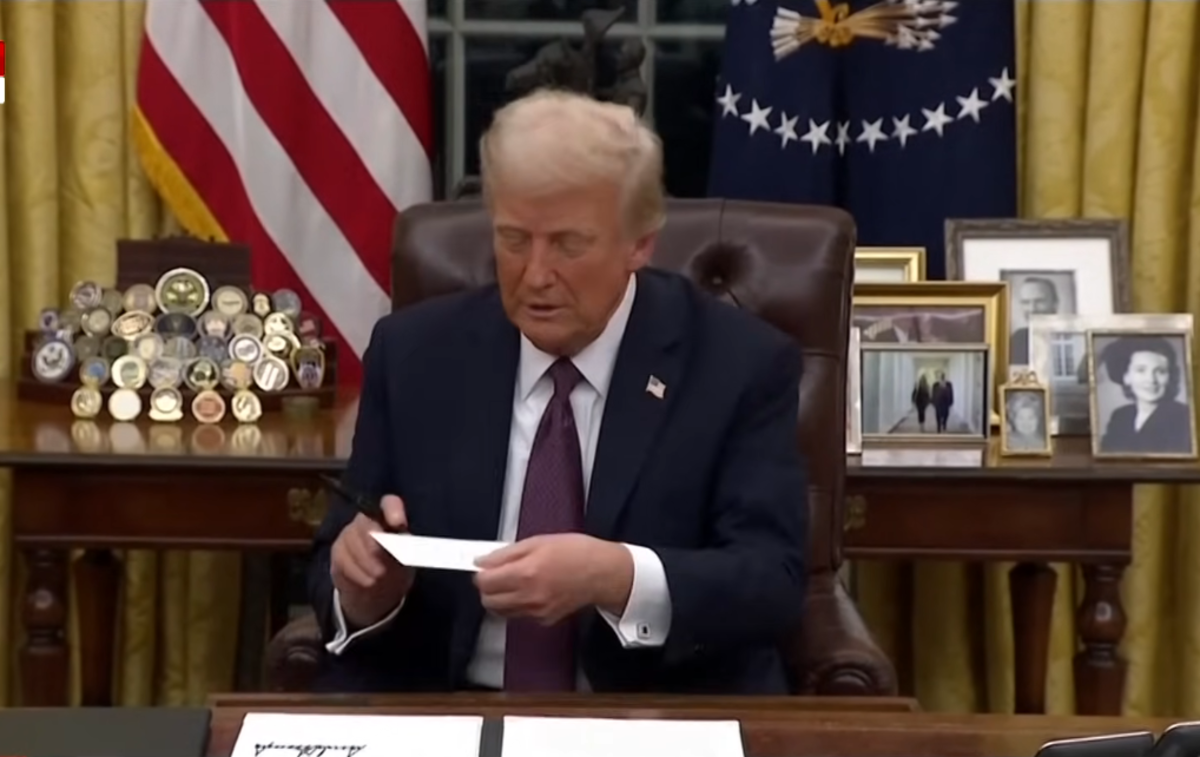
(343, 638)
(646, 621)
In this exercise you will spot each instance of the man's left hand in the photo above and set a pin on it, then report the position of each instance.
(549, 577)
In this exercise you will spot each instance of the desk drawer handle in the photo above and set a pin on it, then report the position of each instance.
(856, 513)
(307, 507)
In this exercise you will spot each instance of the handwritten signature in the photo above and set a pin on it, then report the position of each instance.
(309, 750)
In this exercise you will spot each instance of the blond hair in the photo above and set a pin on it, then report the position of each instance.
(552, 140)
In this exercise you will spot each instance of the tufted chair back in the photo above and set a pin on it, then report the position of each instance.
(790, 265)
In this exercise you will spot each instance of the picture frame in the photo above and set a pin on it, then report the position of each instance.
(1058, 354)
(972, 312)
(1071, 266)
(889, 265)
(1141, 394)
(1025, 418)
(854, 442)
(900, 393)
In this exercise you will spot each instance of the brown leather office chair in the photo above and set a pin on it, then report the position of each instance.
(792, 266)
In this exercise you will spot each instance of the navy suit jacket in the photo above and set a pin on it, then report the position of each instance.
(709, 477)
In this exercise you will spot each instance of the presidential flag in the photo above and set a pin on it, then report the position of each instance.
(901, 111)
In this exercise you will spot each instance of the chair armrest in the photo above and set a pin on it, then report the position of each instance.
(834, 654)
(294, 656)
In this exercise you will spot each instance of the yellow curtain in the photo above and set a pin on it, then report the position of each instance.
(69, 187)
(1108, 102)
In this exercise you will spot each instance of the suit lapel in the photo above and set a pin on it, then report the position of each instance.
(649, 363)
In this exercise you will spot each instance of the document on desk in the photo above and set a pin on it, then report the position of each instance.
(589, 737)
(268, 734)
(432, 552)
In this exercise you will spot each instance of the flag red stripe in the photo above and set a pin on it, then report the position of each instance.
(185, 134)
(319, 150)
(394, 50)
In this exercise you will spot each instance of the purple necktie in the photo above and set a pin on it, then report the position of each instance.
(539, 658)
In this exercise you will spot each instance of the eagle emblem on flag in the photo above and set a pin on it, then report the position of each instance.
(904, 24)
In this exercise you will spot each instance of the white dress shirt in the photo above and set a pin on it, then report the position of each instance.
(646, 621)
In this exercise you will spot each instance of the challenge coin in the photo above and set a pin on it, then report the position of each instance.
(166, 373)
(86, 295)
(246, 348)
(129, 372)
(277, 323)
(52, 361)
(260, 304)
(246, 406)
(308, 328)
(114, 347)
(70, 319)
(201, 375)
(93, 372)
(140, 297)
(214, 348)
(236, 375)
(208, 407)
(112, 301)
(86, 346)
(230, 301)
(132, 324)
(282, 345)
(287, 302)
(179, 348)
(176, 324)
(48, 319)
(182, 290)
(215, 324)
(97, 321)
(86, 402)
(248, 323)
(166, 405)
(124, 404)
(148, 347)
(308, 364)
(271, 374)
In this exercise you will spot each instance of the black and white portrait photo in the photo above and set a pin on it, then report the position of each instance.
(1141, 395)
(1035, 293)
(1026, 421)
(927, 394)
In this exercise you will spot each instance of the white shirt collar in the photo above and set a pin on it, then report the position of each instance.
(595, 362)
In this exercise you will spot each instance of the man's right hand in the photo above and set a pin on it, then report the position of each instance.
(369, 581)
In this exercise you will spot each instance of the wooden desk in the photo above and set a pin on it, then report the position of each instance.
(104, 485)
(772, 728)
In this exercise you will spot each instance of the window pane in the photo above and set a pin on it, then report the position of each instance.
(691, 11)
(685, 79)
(544, 10)
(442, 139)
(436, 8)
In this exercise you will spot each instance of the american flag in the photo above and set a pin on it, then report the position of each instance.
(900, 111)
(298, 127)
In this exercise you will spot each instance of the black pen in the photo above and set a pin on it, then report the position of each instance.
(366, 505)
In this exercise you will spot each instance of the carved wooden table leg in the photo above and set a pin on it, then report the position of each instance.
(1099, 670)
(45, 659)
(97, 585)
(1031, 588)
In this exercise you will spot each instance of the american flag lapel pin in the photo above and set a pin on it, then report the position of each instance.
(656, 387)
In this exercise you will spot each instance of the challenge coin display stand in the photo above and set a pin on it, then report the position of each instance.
(181, 334)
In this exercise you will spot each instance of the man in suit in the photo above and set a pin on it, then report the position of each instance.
(943, 400)
(634, 438)
(1036, 295)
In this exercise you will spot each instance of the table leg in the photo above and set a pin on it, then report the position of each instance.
(97, 591)
(45, 659)
(1031, 589)
(1099, 669)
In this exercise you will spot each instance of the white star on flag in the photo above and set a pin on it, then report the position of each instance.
(729, 101)
(843, 137)
(1002, 86)
(817, 135)
(902, 130)
(872, 132)
(786, 130)
(971, 106)
(757, 117)
(936, 120)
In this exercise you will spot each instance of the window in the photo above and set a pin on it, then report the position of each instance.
(1065, 354)
(474, 43)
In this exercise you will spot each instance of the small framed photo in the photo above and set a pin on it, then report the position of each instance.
(1141, 394)
(1052, 267)
(889, 265)
(926, 392)
(1025, 424)
(854, 395)
(1058, 355)
(935, 312)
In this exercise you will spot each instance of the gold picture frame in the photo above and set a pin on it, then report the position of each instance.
(893, 265)
(894, 408)
(1023, 392)
(990, 297)
(854, 441)
(1116, 433)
